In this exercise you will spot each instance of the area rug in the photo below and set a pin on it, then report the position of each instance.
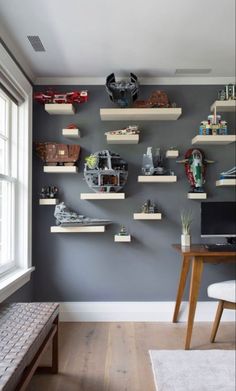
(193, 370)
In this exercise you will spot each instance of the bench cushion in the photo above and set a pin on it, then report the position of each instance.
(225, 290)
(23, 328)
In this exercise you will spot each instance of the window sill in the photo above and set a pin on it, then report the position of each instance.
(11, 282)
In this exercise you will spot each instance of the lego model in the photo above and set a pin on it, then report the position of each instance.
(105, 171)
(158, 99)
(228, 93)
(230, 174)
(51, 96)
(54, 154)
(153, 164)
(129, 130)
(49, 192)
(213, 126)
(149, 207)
(123, 92)
(68, 218)
(195, 169)
(123, 231)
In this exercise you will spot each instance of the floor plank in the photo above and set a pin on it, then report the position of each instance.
(114, 356)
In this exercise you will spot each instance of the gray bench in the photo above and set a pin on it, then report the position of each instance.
(26, 329)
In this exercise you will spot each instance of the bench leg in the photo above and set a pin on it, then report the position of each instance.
(55, 349)
(53, 369)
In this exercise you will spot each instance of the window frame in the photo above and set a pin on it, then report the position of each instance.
(13, 279)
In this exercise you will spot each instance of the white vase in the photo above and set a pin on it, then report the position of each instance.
(185, 240)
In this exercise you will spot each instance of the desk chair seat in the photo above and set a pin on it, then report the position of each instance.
(225, 292)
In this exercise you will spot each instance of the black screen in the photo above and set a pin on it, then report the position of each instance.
(218, 218)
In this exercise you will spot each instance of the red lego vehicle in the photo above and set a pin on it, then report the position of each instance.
(67, 97)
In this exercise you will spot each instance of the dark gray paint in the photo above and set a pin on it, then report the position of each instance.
(91, 267)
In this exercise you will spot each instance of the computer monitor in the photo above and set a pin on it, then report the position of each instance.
(218, 219)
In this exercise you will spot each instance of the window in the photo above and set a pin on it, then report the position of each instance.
(15, 176)
(8, 180)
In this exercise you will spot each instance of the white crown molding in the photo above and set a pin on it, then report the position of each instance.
(14, 50)
(143, 81)
(136, 312)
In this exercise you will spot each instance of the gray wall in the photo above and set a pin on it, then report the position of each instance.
(91, 267)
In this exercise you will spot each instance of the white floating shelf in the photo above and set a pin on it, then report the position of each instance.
(48, 201)
(122, 139)
(147, 216)
(136, 114)
(215, 140)
(60, 169)
(71, 133)
(122, 238)
(171, 154)
(224, 105)
(197, 196)
(87, 229)
(226, 182)
(60, 108)
(157, 178)
(102, 196)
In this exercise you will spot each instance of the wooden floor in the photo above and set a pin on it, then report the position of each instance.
(114, 356)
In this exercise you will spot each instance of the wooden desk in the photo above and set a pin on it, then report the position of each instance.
(199, 255)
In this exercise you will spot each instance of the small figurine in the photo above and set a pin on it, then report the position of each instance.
(71, 126)
(228, 93)
(154, 164)
(195, 169)
(213, 126)
(124, 93)
(105, 171)
(123, 231)
(149, 207)
(67, 218)
(129, 130)
(158, 99)
(51, 96)
(49, 192)
(54, 154)
(230, 174)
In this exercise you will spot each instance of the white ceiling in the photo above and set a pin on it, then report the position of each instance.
(92, 38)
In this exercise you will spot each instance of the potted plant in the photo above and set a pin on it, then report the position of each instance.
(186, 220)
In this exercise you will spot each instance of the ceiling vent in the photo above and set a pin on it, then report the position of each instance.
(36, 43)
(192, 71)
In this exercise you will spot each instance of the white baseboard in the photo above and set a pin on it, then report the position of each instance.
(136, 312)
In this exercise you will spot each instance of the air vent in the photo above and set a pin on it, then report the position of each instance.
(192, 71)
(36, 43)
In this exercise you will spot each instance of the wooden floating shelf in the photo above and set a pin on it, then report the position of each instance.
(171, 154)
(197, 196)
(226, 182)
(48, 201)
(60, 169)
(71, 133)
(87, 229)
(157, 178)
(147, 216)
(60, 108)
(122, 139)
(215, 140)
(102, 196)
(136, 114)
(122, 238)
(224, 105)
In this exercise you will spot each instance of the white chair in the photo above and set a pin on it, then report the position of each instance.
(225, 292)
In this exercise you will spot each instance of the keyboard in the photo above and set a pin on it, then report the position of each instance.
(221, 247)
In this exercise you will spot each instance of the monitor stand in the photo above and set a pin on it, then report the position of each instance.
(229, 246)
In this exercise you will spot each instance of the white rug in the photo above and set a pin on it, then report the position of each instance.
(193, 370)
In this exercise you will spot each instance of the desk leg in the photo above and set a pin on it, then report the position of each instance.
(182, 283)
(197, 267)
